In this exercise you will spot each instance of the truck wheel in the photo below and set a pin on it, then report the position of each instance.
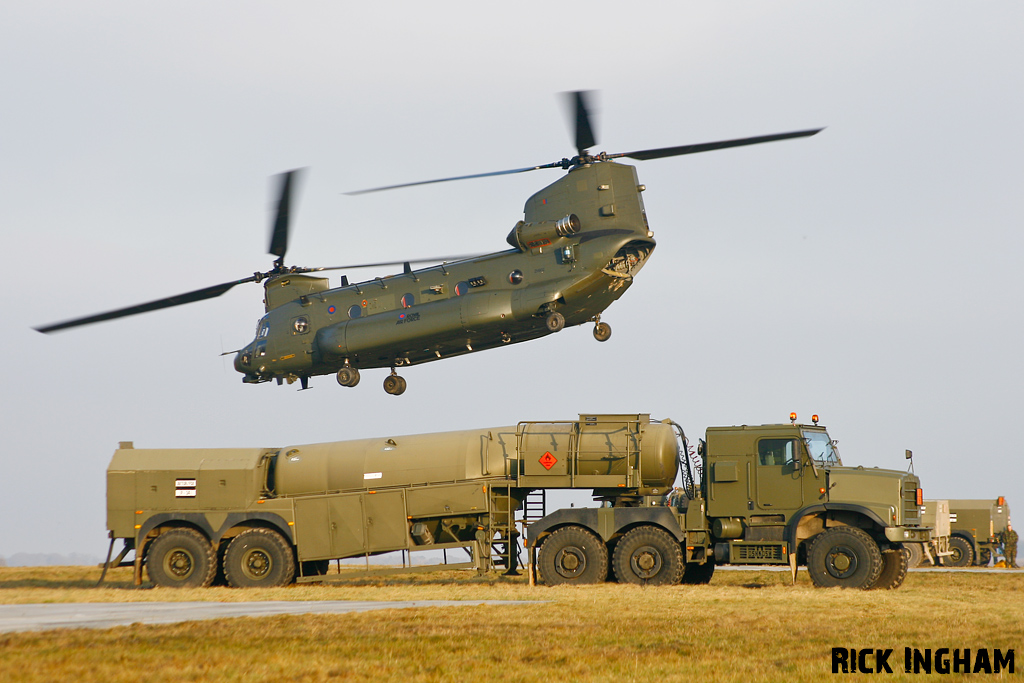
(181, 558)
(963, 553)
(695, 574)
(984, 557)
(648, 556)
(915, 554)
(844, 557)
(259, 557)
(894, 570)
(572, 555)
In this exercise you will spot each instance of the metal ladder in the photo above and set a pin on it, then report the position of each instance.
(504, 549)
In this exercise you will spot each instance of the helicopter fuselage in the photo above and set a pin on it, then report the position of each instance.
(582, 240)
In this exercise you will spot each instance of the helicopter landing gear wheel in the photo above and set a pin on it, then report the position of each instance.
(555, 321)
(602, 332)
(394, 385)
(348, 377)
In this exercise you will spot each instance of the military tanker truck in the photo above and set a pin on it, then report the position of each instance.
(772, 494)
(977, 528)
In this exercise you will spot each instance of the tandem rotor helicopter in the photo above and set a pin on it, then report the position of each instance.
(581, 242)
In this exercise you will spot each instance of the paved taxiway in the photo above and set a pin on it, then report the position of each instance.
(44, 617)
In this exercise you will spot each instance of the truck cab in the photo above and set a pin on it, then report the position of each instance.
(773, 492)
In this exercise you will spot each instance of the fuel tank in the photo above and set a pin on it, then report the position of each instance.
(595, 451)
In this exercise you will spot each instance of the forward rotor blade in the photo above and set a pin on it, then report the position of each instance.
(439, 259)
(646, 154)
(186, 298)
(584, 132)
(461, 177)
(282, 218)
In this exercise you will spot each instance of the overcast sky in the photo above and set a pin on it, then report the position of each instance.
(871, 274)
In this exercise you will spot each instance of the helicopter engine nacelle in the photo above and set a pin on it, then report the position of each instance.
(527, 236)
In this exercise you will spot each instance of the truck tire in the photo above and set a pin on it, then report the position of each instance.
(181, 558)
(894, 570)
(259, 558)
(648, 556)
(844, 557)
(572, 555)
(963, 553)
(695, 574)
(984, 557)
(915, 554)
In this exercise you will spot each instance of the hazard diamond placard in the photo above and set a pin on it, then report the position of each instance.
(548, 460)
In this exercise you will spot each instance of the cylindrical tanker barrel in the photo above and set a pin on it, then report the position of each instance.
(601, 451)
(659, 456)
(395, 461)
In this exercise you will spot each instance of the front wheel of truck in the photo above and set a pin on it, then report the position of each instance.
(844, 557)
(648, 556)
(572, 555)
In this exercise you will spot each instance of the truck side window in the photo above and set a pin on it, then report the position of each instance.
(776, 451)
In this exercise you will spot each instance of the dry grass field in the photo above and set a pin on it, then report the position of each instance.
(744, 626)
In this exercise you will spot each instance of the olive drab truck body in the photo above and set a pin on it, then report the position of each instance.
(774, 494)
(977, 528)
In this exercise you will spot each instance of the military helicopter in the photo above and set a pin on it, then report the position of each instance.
(581, 242)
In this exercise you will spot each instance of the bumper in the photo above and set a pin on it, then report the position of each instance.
(908, 534)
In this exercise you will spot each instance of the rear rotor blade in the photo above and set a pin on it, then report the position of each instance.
(584, 132)
(186, 298)
(282, 217)
(461, 177)
(646, 154)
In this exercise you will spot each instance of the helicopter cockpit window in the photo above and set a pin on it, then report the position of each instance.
(261, 349)
(355, 311)
(408, 300)
(301, 325)
(776, 451)
(461, 288)
(263, 329)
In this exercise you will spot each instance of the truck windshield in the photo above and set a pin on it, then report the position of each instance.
(820, 447)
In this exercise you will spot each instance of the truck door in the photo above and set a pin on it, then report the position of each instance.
(778, 474)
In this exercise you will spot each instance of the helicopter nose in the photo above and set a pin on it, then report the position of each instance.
(243, 359)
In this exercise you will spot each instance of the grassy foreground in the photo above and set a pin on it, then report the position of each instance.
(745, 626)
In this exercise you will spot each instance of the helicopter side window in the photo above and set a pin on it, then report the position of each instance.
(461, 288)
(263, 329)
(301, 325)
(408, 300)
(355, 311)
(261, 349)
